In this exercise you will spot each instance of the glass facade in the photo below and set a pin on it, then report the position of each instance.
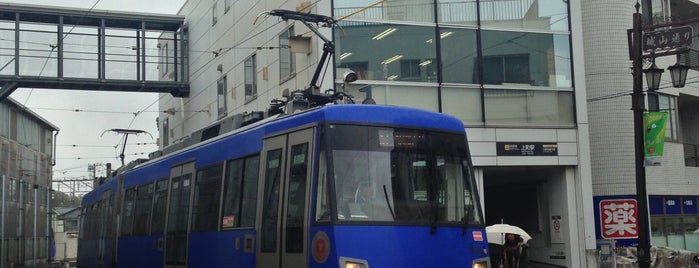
(486, 62)
(674, 221)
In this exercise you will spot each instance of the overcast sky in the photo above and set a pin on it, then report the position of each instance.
(80, 141)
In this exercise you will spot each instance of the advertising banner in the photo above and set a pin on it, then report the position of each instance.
(654, 124)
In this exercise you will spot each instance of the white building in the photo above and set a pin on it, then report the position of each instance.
(673, 187)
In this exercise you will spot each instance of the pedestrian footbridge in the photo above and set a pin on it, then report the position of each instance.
(85, 49)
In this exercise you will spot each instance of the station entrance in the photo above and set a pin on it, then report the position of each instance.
(540, 200)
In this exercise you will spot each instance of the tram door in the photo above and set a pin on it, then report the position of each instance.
(283, 222)
(177, 219)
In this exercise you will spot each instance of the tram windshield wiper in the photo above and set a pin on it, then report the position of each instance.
(388, 203)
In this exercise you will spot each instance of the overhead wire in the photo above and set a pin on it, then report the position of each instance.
(109, 111)
(102, 146)
(101, 157)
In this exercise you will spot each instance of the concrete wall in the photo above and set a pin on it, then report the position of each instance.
(608, 81)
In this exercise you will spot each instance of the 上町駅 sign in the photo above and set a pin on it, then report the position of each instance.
(526, 149)
(667, 38)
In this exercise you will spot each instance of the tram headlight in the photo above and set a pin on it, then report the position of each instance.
(480, 264)
(353, 263)
(350, 264)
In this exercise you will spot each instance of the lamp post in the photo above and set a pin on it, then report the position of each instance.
(678, 73)
(638, 107)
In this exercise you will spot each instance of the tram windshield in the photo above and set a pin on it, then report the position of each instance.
(396, 175)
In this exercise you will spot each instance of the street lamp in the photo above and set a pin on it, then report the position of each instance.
(638, 106)
(653, 75)
(678, 73)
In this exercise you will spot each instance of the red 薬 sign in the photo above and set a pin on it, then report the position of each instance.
(619, 218)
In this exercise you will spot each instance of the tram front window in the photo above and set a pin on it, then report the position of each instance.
(400, 175)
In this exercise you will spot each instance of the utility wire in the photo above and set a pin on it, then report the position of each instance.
(101, 157)
(110, 112)
(103, 146)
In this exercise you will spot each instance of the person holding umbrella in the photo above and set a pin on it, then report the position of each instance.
(511, 249)
(514, 255)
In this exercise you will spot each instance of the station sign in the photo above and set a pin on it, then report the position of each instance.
(667, 38)
(527, 149)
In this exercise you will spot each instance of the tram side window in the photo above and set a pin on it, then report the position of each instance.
(296, 198)
(81, 222)
(268, 233)
(91, 224)
(128, 212)
(240, 196)
(144, 200)
(322, 191)
(159, 207)
(248, 210)
(84, 221)
(207, 191)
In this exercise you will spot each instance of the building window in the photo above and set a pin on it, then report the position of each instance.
(164, 59)
(674, 221)
(390, 45)
(214, 15)
(165, 130)
(665, 103)
(661, 10)
(250, 78)
(459, 53)
(535, 59)
(4, 120)
(287, 59)
(414, 10)
(506, 69)
(221, 97)
(410, 70)
(524, 14)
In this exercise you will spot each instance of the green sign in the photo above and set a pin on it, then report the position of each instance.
(654, 124)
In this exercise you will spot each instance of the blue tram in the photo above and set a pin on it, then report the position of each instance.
(338, 185)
